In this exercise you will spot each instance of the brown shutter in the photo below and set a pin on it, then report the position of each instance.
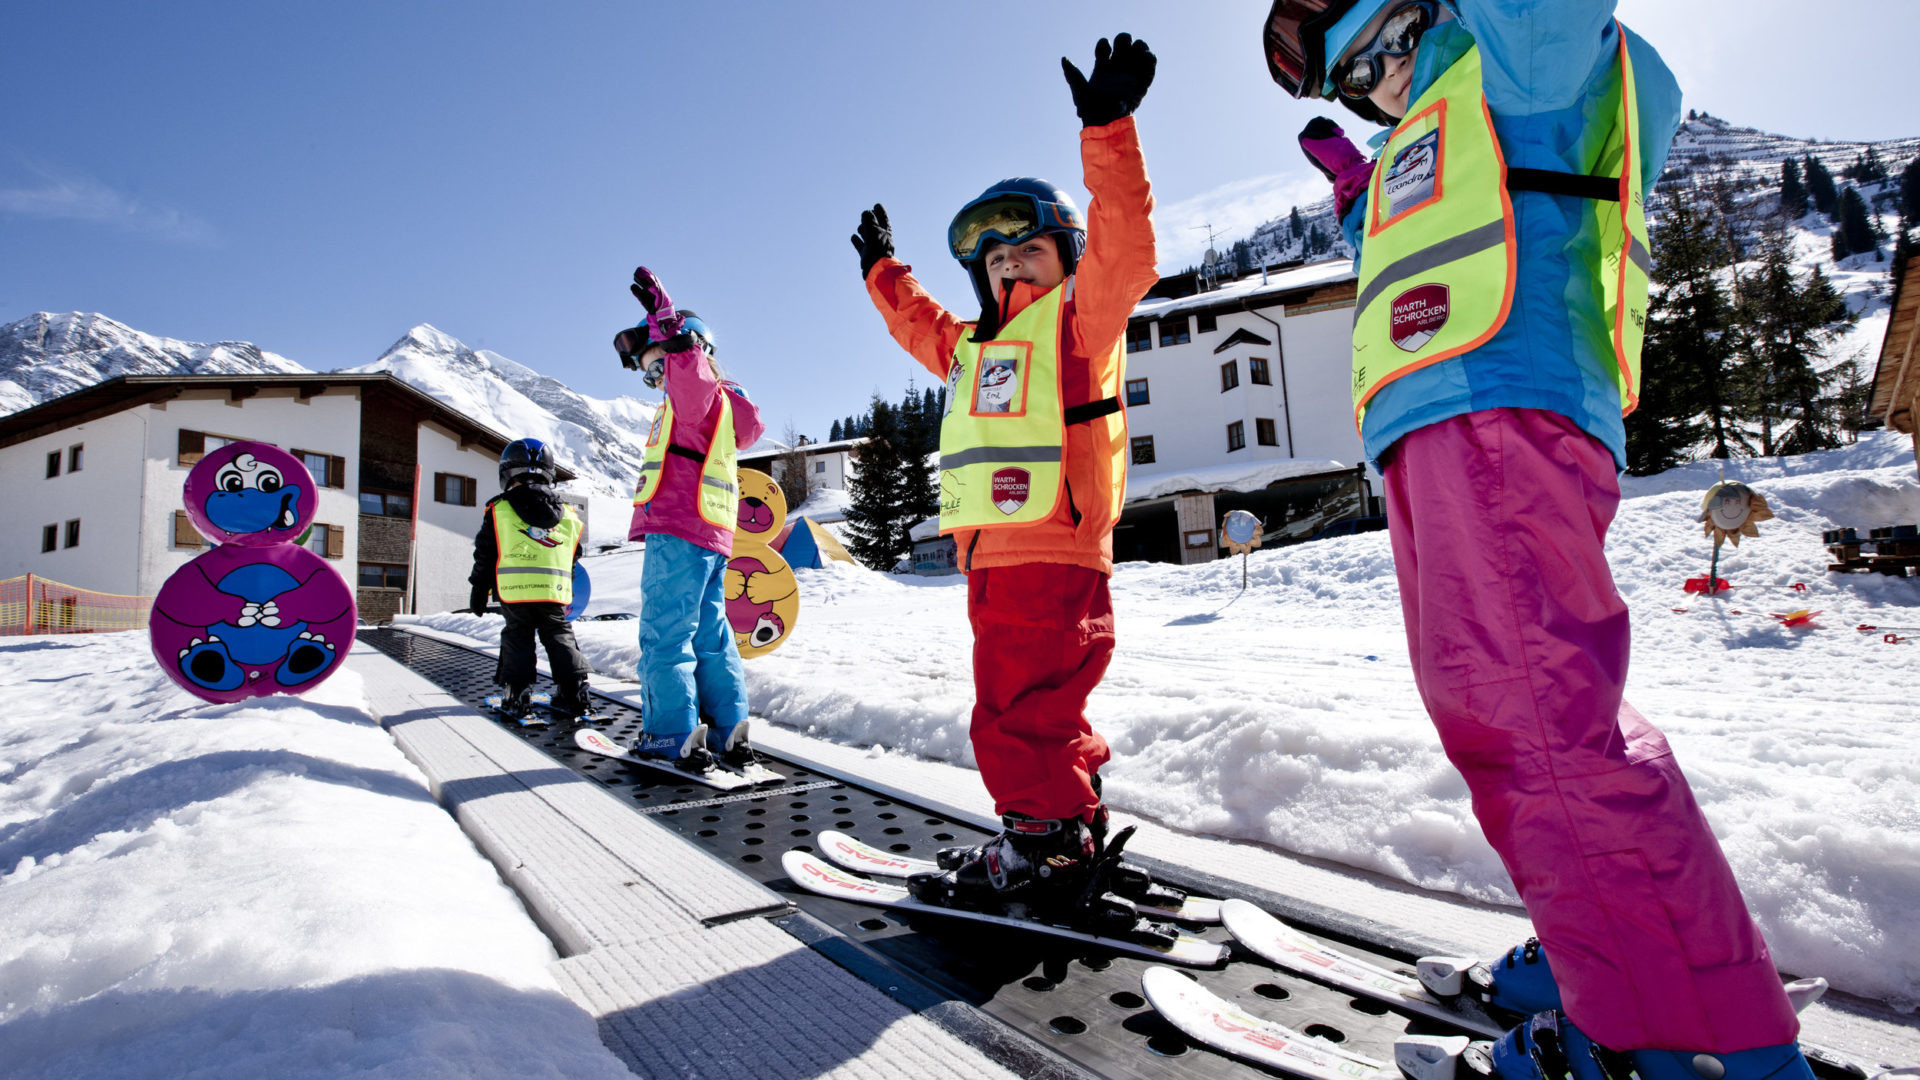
(184, 534)
(336, 471)
(193, 446)
(440, 487)
(336, 540)
(472, 491)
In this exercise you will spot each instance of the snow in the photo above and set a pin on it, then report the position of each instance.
(1233, 476)
(1287, 716)
(261, 889)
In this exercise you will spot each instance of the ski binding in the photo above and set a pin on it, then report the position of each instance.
(595, 742)
(533, 717)
(818, 876)
(851, 854)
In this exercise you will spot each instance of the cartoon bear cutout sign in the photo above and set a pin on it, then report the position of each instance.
(763, 599)
(257, 614)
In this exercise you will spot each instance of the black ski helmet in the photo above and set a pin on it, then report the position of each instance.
(1011, 211)
(528, 458)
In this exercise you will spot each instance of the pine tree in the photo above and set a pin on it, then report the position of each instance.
(1687, 392)
(1910, 194)
(1293, 223)
(1787, 326)
(873, 511)
(1872, 169)
(1853, 222)
(833, 433)
(1793, 194)
(1826, 198)
(919, 494)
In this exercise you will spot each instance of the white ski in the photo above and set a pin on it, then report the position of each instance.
(821, 877)
(1282, 945)
(1212, 1021)
(844, 851)
(594, 742)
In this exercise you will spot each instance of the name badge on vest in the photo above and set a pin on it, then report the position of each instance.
(1000, 385)
(1413, 177)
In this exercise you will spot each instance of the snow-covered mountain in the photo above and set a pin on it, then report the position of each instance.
(44, 356)
(599, 439)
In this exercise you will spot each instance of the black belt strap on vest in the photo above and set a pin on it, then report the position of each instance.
(1577, 185)
(1092, 410)
(690, 455)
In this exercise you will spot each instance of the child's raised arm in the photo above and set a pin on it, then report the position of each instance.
(1119, 265)
(914, 318)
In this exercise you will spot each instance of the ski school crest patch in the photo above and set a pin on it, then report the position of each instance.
(1416, 315)
(1011, 487)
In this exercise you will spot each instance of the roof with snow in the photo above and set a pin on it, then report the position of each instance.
(1268, 288)
(131, 391)
(1238, 476)
(773, 448)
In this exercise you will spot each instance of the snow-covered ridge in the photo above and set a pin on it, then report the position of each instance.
(45, 356)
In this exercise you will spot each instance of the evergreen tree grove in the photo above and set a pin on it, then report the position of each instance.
(1787, 326)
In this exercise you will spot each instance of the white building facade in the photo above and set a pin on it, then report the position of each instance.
(95, 481)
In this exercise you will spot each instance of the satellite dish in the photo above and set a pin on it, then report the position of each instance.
(1212, 257)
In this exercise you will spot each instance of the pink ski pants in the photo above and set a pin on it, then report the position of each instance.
(1519, 646)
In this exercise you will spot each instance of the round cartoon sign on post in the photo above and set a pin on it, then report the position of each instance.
(763, 599)
(258, 614)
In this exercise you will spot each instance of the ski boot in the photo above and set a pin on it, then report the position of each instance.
(730, 747)
(686, 751)
(1520, 983)
(516, 702)
(574, 705)
(1547, 1046)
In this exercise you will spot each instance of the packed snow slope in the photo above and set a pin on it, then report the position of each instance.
(1287, 716)
(250, 890)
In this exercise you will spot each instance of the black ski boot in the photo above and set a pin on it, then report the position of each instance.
(516, 702)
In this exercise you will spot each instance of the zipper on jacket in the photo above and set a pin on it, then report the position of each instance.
(970, 546)
(1071, 508)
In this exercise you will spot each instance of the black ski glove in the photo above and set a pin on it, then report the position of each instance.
(477, 603)
(874, 241)
(1121, 74)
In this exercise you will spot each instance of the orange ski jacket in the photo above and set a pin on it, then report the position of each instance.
(1116, 271)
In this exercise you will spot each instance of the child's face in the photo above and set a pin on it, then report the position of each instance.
(1035, 260)
(1396, 72)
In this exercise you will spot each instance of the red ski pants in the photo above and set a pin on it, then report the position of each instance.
(1042, 638)
(1518, 639)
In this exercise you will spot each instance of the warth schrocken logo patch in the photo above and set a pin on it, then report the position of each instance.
(1416, 315)
(1011, 487)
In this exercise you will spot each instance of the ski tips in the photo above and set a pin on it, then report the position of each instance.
(1429, 1057)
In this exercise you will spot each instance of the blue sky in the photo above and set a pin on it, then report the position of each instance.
(317, 179)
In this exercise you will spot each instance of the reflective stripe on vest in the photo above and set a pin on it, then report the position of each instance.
(719, 469)
(533, 564)
(1437, 284)
(1005, 423)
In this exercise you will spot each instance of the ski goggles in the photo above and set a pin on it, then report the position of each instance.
(1295, 40)
(632, 342)
(1009, 218)
(1356, 76)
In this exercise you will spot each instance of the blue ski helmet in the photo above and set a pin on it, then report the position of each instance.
(530, 459)
(1011, 211)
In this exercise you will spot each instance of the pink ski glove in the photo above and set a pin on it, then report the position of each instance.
(1338, 160)
(661, 316)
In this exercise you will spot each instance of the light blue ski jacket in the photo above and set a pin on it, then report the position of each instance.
(1547, 68)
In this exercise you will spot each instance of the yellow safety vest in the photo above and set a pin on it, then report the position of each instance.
(719, 469)
(1439, 255)
(533, 564)
(1001, 437)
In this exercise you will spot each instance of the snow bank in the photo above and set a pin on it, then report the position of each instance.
(260, 889)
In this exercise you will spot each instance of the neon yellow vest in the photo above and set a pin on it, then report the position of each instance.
(1439, 266)
(1000, 441)
(533, 564)
(719, 470)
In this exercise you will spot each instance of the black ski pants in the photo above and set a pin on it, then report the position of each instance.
(549, 622)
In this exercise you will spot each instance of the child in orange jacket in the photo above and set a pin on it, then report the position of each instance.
(1046, 356)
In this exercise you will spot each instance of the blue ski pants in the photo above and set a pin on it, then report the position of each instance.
(689, 663)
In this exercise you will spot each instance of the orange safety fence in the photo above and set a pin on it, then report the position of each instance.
(30, 604)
